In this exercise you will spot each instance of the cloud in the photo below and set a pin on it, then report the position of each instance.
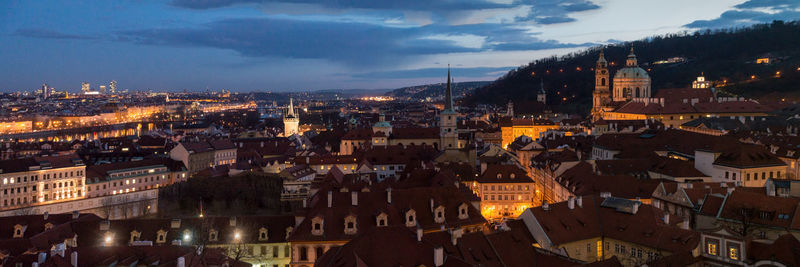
(352, 43)
(752, 11)
(455, 11)
(49, 34)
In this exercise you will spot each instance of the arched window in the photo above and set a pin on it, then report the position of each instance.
(603, 82)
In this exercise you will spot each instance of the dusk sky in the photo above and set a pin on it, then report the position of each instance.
(258, 45)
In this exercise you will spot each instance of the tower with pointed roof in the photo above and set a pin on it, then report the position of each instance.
(291, 121)
(541, 97)
(448, 119)
(601, 96)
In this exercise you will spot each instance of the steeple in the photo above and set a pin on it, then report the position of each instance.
(290, 113)
(631, 62)
(448, 104)
(601, 60)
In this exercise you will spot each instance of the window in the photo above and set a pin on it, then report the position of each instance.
(262, 234)
(711, 246)
(303, 253)
(726, 174)
(319, 251)
(212, 235)
(733, 251)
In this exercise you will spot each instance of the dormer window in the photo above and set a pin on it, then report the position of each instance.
(262, 234)
(350, 225)
(382, 219)
(499, 176)
(161, 236)
(439, 214)
(19, 230)
(317, 226)
(135, 235)
(512, 176)
(213, 235)
(411, 218)
(463, 211)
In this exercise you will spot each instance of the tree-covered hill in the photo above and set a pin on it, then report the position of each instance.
(727, 57)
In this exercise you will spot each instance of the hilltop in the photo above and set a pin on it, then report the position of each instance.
(728, 57)
(435, 90)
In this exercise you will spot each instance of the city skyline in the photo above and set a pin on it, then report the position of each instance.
(276, 45)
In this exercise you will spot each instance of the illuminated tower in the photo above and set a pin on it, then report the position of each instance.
(542, 95)
(448, 119)
(45, 91)
(291, 121)
(601, 95)
(85, 87)
(112, 87)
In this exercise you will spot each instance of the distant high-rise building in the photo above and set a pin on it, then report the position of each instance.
(291, 121)
(45, 91)
(85, 87)
(112, 87)
(102, 89)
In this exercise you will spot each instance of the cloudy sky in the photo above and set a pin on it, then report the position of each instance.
(256, 45)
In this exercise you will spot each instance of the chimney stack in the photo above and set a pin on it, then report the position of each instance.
(666, 217)
(389, 195)
(419, 234)
(636, 207)
(46, 214)
(181, 262)
(438, 256)
(330, 199)
(571, 203)
(76, 214)
(73, 259)
(579, 201)
(354, 198)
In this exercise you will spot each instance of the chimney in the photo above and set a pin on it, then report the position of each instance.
(419, 234)
(579, 201)
(262, 143)
(308, 160)
(232, 221)
(76, 214)
(635, 208)
(42, 257)
(666, 217)
(330, 199)
(73, 259)
(571, 203)
(181, 262)
(438, 256)
(431, 204)
(354, 198)
(305, 203)
(46, 214)
(389, 195)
